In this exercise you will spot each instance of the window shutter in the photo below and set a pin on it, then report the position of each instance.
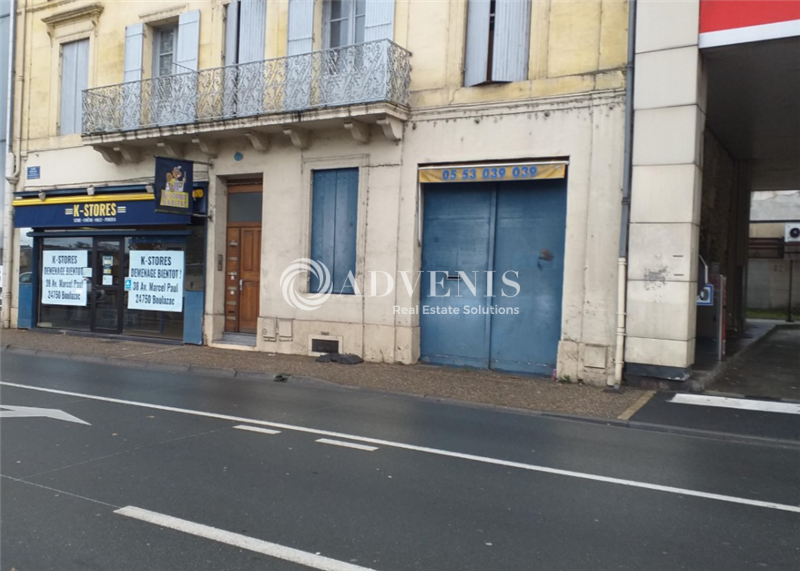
(323, 224)
(74, 79)
(134, 48)
(379, 20)
(334, 228)
(186, 55)
(477, 56)
(512, 29)
(346, 230)
(232, 33)
(252, 30)
(301, 27)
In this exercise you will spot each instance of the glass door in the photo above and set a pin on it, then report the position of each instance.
(107, 286)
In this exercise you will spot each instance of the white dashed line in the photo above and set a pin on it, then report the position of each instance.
(435, 451)
(256, 429)
(739, 404)
(241, 541)
(347, 444)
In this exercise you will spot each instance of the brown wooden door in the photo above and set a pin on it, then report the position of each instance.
(250, 267)
(243, 260)
(243, 280)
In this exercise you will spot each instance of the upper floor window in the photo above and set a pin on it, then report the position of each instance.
(498, 41)
(164, 43)
(74, 79)
(245, 31)
(345, 22)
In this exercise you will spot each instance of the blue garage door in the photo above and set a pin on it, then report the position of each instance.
(498, 253)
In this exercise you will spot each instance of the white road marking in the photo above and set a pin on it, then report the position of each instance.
(739, 404)
(241, 541)
(347, 444)
(31, 412)
(436, 451)
(257, 429)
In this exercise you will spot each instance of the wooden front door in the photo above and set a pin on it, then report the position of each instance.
(243, 259)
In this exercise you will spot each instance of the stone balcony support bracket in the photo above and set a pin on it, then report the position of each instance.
(171, 149)
(300, 137)
(208, 146)
(109, 154)
(392, 128)
(360, 131)
(259, 141)
(129, 154)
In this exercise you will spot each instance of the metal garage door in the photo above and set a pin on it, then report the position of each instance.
(475, 235)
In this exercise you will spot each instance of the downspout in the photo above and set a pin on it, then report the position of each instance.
(622, 264)
(11, 175)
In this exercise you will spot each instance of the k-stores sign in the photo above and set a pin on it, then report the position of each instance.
(726, 22)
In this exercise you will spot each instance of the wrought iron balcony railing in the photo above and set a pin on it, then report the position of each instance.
(378, 71)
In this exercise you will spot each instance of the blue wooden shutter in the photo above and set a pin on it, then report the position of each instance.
(379, 20)
(301, 27)
(477, 57)
(346, 229)
(186, 55)
(134, 48)
(334, 226)
(232, 33)
(252, 30)
(512, 29)
(74, 79)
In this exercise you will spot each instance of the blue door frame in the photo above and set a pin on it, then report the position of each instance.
(506, 237)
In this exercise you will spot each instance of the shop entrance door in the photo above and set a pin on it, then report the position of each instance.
(107, 286)
(243, 253)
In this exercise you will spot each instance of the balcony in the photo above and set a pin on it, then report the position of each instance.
(355, 85)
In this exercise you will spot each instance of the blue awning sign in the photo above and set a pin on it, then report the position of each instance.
(96, 211)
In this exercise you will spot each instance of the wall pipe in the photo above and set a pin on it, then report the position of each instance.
(11, 176)
(622, 265)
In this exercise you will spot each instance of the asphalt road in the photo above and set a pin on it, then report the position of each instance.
(162, 478)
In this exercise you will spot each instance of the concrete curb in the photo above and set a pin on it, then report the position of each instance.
(258, 376)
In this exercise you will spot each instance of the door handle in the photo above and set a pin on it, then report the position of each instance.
(240, 284)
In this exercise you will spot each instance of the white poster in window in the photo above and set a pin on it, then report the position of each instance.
(156, 280)
(62, 277)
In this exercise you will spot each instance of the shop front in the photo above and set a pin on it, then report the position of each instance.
(112, 264)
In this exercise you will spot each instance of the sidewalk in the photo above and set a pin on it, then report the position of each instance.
(771, 369)
(473, 386)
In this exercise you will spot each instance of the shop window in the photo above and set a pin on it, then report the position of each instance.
(498, 41)
(64, 295)
(74, 79)
(147, 323)
(333, 228)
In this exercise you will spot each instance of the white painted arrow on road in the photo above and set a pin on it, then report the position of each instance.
(29, 411)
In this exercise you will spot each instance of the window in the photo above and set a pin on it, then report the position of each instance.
(74, 79)
(334, 228)
(164, 43)
(498, 41)
(345, 24)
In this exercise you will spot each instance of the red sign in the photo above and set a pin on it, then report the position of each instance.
(716, 15)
